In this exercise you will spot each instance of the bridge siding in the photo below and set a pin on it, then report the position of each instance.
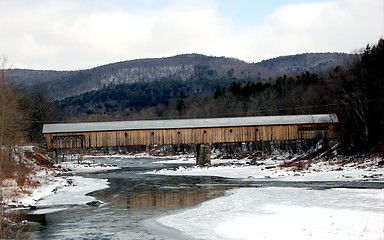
(189, 135)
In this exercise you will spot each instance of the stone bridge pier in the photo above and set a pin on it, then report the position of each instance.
(203, 154)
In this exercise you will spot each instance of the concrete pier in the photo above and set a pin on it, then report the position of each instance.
(203, 157)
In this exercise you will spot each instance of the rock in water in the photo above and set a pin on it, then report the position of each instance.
(95, 203)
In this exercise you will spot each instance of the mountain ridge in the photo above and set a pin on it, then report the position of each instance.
(184, 67)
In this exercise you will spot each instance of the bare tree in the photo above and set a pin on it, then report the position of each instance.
(40, 110)
(12, 118)
(12, 130)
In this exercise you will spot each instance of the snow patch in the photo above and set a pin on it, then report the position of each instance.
(270, 169)
(285, 213)
(75, 192)
(86, 167)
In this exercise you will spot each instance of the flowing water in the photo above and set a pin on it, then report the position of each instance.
(134, 197)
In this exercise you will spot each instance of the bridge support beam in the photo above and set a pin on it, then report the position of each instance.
(203, 154)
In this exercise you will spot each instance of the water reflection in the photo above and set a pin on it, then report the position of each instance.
(160, 195)
(131, 198)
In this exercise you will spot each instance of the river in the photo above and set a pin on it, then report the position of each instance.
(134, 197)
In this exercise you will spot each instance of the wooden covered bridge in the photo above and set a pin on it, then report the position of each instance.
(201, 132)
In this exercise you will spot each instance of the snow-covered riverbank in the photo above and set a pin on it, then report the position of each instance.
(277, 169)
(286, 213)
(55, 189)
(69, 190)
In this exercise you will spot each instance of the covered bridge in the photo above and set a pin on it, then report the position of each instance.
(189, 131)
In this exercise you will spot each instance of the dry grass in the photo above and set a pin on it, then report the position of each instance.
(38, 156)
(15, 169)
(9, 229)
(296, 165)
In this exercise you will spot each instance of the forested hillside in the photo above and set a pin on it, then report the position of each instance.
(124, 99)
(294, 64)
(134, 85)
(187, 67)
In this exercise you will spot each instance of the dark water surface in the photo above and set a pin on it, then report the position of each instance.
(134, 197)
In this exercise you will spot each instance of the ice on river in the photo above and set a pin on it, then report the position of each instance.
(65, 191)
(75, 193)
(285, 213)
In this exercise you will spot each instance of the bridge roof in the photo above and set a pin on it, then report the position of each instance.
(188, 123)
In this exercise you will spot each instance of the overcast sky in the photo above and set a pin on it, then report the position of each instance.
(80, 34)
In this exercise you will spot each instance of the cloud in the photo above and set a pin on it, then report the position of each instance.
(83, 34)
(342, 25)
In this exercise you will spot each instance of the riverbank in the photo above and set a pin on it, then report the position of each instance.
(276, 213)
(280, 167)
(50, 185)
(45, 188)
(68, 190)
(244, 213)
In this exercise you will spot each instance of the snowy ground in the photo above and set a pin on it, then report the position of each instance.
(286, 213)
(75, 192)
(71, 190)
(86, 166)
(63, 190)
(270, 169)
(44, 184)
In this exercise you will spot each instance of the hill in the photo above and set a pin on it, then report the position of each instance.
(311, 62)
(61, 84)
